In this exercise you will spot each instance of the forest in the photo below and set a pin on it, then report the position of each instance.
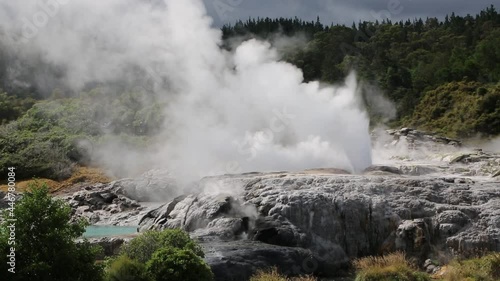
(442, 76)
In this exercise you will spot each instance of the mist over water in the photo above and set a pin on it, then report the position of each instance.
(227, 112)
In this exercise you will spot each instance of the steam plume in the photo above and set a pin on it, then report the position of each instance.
(226, 112)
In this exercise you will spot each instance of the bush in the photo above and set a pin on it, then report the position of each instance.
(274, 275)
(36, 148)
(486, 268)
(33, 155)
(125, 269)
(45, 246)
(142, 247)
(174, 264)
(393, 267)
(12, 107)
(170, 255)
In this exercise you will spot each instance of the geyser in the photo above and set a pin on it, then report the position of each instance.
(227, 112)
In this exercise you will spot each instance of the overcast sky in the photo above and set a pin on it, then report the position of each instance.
(341, 11)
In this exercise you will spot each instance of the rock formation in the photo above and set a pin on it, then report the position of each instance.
(317, 221)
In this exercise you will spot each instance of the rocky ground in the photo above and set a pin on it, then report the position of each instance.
(431, 201)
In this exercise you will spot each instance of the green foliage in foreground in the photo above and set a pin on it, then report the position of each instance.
(162, 255)
(126, 269)
(142, 248)
(486, 268)
(45, 247)
(173, 264)
(393, 267)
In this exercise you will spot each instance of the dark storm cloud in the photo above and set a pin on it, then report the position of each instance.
(340, 11)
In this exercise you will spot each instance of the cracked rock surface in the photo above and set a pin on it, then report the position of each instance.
(318, 220)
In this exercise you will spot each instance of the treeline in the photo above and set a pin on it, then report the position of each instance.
(406, 59)
(267, 26)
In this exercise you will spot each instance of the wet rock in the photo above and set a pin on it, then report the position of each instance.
(386, 169)
(413, 238)
(152, 186)
(108, 197)
(430, 267)
(453, 217)
(238, 260)
(93, 218)
(100, 205)
(416, 138)
(418, 170)
(225, 229)
(82, 209)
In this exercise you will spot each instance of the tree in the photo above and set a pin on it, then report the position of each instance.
(169, 255)
(126, 269)
(171, 264)
(488, 56)
(45, 247)
(142, 248)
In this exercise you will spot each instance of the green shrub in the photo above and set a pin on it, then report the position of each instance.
(12, 107)
(34, 155)
(392, 267)
(486, 268)
(142, 247)
(45, 247)
(170, 255)
(37, 147)
(174, 264)
(125, 269)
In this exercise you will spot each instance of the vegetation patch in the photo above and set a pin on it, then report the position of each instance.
(274, 275)
(486, 268)
(87, 175)
(45, 247)
(54, 136)
(459, 109)
(391, 267)
(161, 255)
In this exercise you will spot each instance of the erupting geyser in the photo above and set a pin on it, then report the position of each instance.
(227, 112)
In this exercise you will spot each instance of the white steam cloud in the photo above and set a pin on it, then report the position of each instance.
(226, 112)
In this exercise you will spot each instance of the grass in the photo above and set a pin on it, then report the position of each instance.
(81, 174)
(274, 275)
(486, 268)
(391, 267)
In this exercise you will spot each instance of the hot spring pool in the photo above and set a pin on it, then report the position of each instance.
(108, 230)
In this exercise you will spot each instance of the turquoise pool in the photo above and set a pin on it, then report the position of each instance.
(108, 230)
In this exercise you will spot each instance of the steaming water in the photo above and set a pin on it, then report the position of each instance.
(228, 112)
